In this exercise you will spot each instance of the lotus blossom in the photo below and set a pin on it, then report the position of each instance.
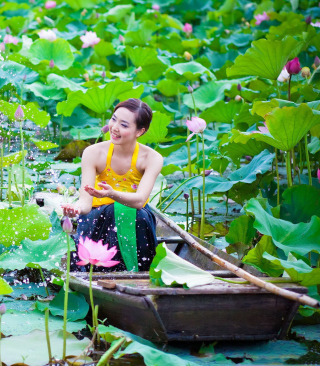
(96, 253)
(156, 7)
(51, 64)
(47, 34)
(261, 18)
(284, 75)
(187, 28)
(19, 115)
(196, 125)
(316, 24)
(186, 196)
(121, 38)
(105, 129)
(72, 191)
(67, 226)
(265, 129)
(293, 67)
(8, 38)
(89, 39)
(50, 4)
(317, 61)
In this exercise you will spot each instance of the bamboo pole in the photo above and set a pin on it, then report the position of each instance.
(303, 299)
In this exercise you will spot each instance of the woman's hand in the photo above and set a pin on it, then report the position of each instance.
(106, 191)
(71, 210)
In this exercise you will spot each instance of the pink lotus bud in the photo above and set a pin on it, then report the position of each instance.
(61, 188)
(238, 98)
(207, 172)
(51, 64)
(2, 309)
(317, 61)
(190, 89)
(103, 74)
(318, 175)
(308, 19)
(86, 77)
(196, 125)
(50, 4)
(72, 191)
(239, 87)
(186, 196)
(169, 186)
(187, 55)
(24, 78)
(105, 129)
(261, 18)
(8, 30)
(19, 115)
(187, 28)
(293, 66)
(2, 47)
(121, 38)
(156, 7)
(66, 224)
(248, 158)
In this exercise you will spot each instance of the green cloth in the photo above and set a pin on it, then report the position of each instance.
(125, 219)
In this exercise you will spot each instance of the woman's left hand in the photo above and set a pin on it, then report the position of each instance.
(106, 190)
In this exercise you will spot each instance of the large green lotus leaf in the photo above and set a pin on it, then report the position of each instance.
(77, 306)
(46, 92)
(116, 13)
(59, 51)
(236, 150)
(135, 92)
(241, 233)
(141, 34)
(191, 70)
(299, 238)
(79, 118)
(33, 347)
(314, 145)
(4, 287)
(62, 82)
(23, 222)
(218, 59)
(98, 99)
(300, 203)
(298, 270)
(255, 257)
(85, 133)
(245, 119)
(170, 88)
(237, 39)
(265, 58)
(168, 269)
(209, 94)
(158, 129)
(13, 73)
(222, 112)
(30, 110)
(43, 145)
(83, 4)
(263, 107)
(13, 158)
(38, 254)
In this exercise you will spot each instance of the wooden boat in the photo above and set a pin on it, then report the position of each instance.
(219, 311)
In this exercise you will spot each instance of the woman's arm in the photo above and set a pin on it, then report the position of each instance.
(88, 168)
(137, 199)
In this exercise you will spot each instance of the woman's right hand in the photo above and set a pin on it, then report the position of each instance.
(71, 210)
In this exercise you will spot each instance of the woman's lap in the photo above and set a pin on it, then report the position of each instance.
(99, 224)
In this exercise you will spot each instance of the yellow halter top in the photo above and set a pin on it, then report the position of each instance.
(127, 182)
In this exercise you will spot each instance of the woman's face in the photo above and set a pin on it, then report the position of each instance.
(122, 126)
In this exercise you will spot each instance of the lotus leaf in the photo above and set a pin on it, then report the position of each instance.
(33, 347)
(265, 58)
(13, 73)
(299, 238)
(85, 133)
(170, 88)
(62, 82)
(59, 51)
(43, 145)
(141, 34)
(98, 99)
(298, 270)
(23, 222)
(116, 13)
(4, 287)
(222, 112)
(314, 145)
(255, 257)
(168, 269)
(46, 92)
(191, 70)
(83, 4)
(13, 158)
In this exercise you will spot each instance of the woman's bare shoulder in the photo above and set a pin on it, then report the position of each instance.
(101, 147)
(148, 152)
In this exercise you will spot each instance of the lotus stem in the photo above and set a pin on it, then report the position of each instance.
(187, 215)
(307, 158)
(190, 175)
(289, 88)
(179, 100)
(301, 163)
(44, 281)
(23, 164)
(91, 295)
(0, 339)
(203, 190)
(160, 196)
(66, 302)
(1, 169)
(9, 185)
(161, 190)
(278, 180)
(96, 309)
(46, 322)
(60, 132)
(198, 158)
(293, 164)
(170, 203)
(111, 351)
(289, 169)
(227, 207)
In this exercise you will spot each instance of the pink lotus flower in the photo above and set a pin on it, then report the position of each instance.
(187, 28)
(264, 130)
(284, 75)
(47, 34)
(96, 253)
(316, 24)
(8, 38)
(121, 38)
(196, 125)
(50, 4)
(261, 18)
(156, 7)
(89, 39)
(51, 64)
(318, 175)
(293, 67)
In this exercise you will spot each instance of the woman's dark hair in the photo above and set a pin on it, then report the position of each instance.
(141, 110)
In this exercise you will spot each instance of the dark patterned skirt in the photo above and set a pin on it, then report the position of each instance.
(99, 224)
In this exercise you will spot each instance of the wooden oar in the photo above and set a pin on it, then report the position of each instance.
(303, 299)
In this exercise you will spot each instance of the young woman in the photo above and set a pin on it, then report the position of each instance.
(119, 171)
